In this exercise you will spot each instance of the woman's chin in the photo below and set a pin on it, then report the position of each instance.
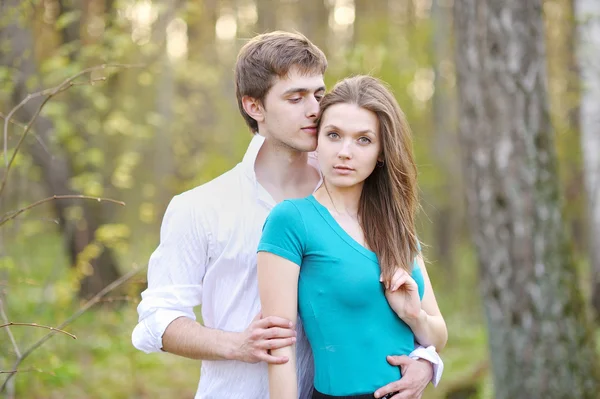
(343, 182)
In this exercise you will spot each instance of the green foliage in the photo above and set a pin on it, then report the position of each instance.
(148, 133)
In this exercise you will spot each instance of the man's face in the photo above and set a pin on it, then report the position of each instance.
(290, 109)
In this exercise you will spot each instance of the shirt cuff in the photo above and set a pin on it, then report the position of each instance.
(147, 335)
(431, 355)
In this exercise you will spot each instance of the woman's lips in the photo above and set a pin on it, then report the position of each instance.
(343, 170)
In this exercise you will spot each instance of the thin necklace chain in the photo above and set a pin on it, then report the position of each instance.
(361, 242)
(334, 207)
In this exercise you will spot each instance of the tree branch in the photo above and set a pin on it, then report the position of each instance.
(94, 300)
(13, 121)
(10, 335)
(13, 215)
(19, 371)
(16, 123)
(37, 325)
(49, 93)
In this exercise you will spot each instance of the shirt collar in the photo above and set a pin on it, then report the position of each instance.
(251, 154)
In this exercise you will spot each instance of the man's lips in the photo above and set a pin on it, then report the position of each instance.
(310, 129)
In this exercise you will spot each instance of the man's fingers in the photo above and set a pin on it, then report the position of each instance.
(400, 361)
(389, 388)
(278, 332)
(274, 321)
(265, 357)
(277, 343)
(405, 394)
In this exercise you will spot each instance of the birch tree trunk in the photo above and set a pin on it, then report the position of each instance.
(588, 16)
(540, 341)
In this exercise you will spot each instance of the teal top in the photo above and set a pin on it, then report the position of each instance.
(348, 321)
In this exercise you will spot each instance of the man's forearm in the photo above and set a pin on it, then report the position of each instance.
(188, 338)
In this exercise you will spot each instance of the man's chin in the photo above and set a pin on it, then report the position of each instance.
(310, 146)
(305, 146)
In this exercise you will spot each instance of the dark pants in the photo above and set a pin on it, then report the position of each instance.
(319, 395)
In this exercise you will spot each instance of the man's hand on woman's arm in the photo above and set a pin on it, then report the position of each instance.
(188, 338)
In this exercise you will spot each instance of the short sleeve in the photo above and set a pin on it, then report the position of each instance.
(284, 233)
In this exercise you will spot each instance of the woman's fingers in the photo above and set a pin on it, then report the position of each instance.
(400, 277)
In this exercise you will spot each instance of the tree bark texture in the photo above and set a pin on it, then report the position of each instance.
(52, 161)
(540, 341)
(588, 16)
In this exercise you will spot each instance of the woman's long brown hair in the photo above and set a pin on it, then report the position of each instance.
(389, 200)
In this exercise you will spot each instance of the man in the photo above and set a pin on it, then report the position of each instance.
(209, 237)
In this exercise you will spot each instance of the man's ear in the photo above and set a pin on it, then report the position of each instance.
(253, 108)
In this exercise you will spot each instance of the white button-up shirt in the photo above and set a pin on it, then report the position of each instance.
(207, 256)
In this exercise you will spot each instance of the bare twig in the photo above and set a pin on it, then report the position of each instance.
(38, 139)
(48, 93)
(14, 122)
(10, 335)
(23, 135)
(14, 214)
(94, 300)
(116, 299)
(20, 371)
(37, 325)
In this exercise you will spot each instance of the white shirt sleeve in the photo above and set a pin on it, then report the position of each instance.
(431, 355)
(175, 273)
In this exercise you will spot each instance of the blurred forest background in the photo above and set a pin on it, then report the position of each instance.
(161, 117)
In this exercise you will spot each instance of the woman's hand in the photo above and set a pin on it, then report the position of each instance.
(402, 293)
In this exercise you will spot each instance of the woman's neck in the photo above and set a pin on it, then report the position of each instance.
(342, 200)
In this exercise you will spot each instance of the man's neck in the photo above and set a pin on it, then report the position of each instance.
(284, 172)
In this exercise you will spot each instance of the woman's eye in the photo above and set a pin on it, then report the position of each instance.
(364, 140)
(333, 135)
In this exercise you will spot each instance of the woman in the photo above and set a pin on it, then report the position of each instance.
(347, 257)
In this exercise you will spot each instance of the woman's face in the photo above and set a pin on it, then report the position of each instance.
(349, 144)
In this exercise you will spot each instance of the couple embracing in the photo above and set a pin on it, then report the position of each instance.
(304, 256)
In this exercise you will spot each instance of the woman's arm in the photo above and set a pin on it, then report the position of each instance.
(422, 316)
(428, 326)
(278, 288)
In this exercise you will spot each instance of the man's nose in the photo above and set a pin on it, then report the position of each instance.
(312, 107)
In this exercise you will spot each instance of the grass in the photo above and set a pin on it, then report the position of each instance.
(102, 363)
